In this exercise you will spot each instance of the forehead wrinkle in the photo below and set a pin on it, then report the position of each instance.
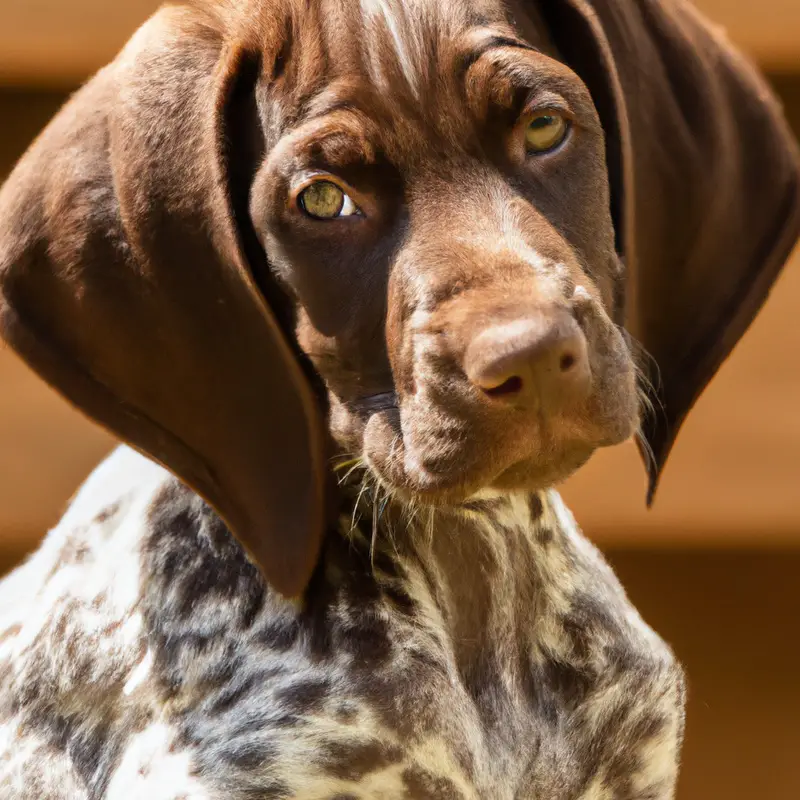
(339, 95)
(489, 42)
(356, 109)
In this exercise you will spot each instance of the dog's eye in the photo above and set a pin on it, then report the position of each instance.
(545, 132)
(325, 200)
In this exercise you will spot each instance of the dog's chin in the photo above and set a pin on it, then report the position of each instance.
(532, 475)
(467, 471)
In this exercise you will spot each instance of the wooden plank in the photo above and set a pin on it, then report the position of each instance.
(60, 42)
(769, 30)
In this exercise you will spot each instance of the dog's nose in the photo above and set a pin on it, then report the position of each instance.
(539, 360)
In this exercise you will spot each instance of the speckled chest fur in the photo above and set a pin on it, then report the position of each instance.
(143, 657)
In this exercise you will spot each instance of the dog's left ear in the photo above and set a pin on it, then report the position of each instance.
(705, 186)
(132, 281)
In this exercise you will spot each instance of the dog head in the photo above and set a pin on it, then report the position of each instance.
(437, 237)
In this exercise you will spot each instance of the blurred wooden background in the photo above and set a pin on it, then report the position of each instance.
(715, 567)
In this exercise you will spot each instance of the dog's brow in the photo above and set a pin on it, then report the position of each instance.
(323, 105)
(491, 43)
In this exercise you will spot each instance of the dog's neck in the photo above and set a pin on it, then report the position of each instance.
(498, 573)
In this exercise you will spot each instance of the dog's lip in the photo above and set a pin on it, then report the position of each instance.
(458, 490)
(412, 480)
(374, 403)
(409, 476)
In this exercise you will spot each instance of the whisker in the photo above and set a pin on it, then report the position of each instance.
(431, 514)
(358, 465)
(374, 536)
(357, 504)
(646, 364)
(383, 504)
(648, 390)
(411, 510)
(647, 451)
(347, 462)
(389, 496)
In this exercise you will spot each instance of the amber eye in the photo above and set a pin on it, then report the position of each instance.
(326, 200)
(545, 132)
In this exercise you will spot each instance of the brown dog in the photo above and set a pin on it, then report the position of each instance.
(413, 234)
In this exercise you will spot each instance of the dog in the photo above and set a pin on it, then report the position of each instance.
(362, 281)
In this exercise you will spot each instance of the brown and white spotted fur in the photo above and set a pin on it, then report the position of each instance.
(143, 656)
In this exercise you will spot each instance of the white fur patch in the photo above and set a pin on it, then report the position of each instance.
(139, 674)
(152, 768)
(597, 791)
(87, 575)
(404, 35)
(30, 764)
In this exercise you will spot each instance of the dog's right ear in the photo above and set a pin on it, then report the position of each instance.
(705, 187)
(127, 282)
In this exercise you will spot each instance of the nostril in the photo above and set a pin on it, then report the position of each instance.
(512, 385)
(567, 362)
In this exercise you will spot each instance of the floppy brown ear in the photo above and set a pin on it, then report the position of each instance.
(124, 284)
(704, 181)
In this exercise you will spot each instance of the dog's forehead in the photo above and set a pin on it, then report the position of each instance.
(401, 46)
(411, 40)
(400, 64)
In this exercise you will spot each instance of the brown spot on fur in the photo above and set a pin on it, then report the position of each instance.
(347, 713)
(351, 761)
(423, 785)
(107, 513)
(544, 535)
(9, 632)
(303, 697)
(535, 507)
(74, 552)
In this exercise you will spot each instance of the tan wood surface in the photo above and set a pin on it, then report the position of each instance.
(62, 41)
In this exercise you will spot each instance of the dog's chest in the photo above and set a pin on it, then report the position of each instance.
(200, 683)
(368, 692)
(424, 732)
(411, 724)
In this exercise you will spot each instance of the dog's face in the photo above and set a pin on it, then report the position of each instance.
(441, 216)
(421, 197)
